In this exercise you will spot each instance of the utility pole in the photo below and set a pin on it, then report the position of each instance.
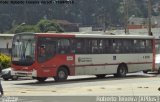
(126, 16)
(149, 18)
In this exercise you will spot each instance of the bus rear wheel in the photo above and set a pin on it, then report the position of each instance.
(122, 71)
(41, 79)
(100, 75)
(62, 74)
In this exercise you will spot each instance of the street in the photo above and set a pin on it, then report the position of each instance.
(134, 84)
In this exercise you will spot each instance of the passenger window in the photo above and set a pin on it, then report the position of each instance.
(148, 46)
(64, 46)
(46, 49)
(80, 46)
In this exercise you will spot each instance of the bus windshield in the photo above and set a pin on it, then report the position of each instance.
(23, 49)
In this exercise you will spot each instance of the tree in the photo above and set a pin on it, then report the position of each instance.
(48, 25)
(84, 12)
(41, 26)
(23, 28)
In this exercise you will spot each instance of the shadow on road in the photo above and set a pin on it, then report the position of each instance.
(108, 78)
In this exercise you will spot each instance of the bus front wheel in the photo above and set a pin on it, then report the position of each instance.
(62, 74)
(41, 79)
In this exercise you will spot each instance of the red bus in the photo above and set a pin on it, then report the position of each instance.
(43, 55)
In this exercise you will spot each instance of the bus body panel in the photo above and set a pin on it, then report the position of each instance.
(49, 67)
(108, 63)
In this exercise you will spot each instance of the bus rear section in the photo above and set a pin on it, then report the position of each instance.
(116, 55)
(60, 55)
(157, 55)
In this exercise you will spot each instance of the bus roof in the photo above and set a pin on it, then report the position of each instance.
(77, 35)
(6, 35)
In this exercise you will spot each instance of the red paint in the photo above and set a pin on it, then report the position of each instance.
(53, 64)
(49, 68)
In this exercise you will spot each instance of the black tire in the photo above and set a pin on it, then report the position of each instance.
(41, 79)
(159, 71)
(100, 75)
(62, 74)
(5, 79)
(115, 75)
(122, 71)
(14, 77)
(145, 71)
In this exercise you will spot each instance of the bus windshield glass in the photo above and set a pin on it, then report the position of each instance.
(23, 49)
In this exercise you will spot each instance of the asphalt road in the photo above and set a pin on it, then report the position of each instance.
(135, 84)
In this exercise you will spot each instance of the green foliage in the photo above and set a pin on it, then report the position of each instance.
(5, 60)
(84, 12)
(24, 28)
(41, 26)
(48, 25)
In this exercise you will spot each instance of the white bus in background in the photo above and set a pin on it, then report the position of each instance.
(81, 54)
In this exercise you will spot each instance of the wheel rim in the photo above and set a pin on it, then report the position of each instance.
(61, 74)
(122, 70)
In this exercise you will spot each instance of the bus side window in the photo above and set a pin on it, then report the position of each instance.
(136, 46)
(46, 49)
(113, 46)
(118, 46)
(63, 46)
(101, 46)
(72, 46)
(148, 46)
(88, 46)
(141, 46)
(97, 46)
(107, 46)
(127, 46)
(42, 53)
(80, 46)
(94, 47)
(42, 50)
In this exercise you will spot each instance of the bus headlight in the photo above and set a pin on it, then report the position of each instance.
(34, 73)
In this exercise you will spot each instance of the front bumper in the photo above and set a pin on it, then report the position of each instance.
(24, 73)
